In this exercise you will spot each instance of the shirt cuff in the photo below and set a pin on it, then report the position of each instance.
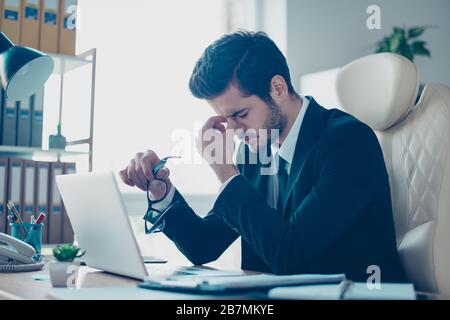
(166, 202)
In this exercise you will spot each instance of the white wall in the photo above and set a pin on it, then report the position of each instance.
(325, 34)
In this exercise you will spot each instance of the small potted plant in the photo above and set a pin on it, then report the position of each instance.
(405, 42)
(64, 271)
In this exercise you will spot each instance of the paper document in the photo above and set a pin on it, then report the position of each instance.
(358, 291)
(233, 283)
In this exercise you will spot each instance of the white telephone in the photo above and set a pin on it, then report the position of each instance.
(14, 251)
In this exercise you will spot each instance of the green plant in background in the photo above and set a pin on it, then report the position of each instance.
(405, 42)
(67, 252)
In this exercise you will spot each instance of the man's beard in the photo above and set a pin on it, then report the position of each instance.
(276, 120)
(273, 127)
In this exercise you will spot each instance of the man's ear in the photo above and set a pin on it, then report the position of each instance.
(278, 89)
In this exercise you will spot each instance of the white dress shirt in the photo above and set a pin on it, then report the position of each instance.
(286, 151)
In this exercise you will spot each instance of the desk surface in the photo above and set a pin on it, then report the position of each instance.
(24, 286)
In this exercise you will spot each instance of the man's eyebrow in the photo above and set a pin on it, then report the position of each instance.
(234, 114)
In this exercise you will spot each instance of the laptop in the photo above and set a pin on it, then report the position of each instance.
(97, 213)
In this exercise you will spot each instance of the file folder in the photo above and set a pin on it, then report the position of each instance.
(14, 193)
(3, 193)
(67, 29)
(23, 123)
(49, 26)
(2, 103)
(29, 182)
(9, 123)
(30, 23)
(42, 194)
(37, 118)
(229, 284)
(55, 210)
(11, 19)
(67, 230)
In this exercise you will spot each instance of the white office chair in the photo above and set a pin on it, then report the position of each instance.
(381, 90)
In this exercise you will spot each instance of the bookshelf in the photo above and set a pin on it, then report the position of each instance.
(63, 65)
(29, 152)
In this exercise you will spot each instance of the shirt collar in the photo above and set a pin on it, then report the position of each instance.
(287, 149)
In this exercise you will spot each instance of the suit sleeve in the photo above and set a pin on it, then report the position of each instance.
(350, 167)
(201, 240)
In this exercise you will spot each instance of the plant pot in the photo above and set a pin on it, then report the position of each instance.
(64, 274)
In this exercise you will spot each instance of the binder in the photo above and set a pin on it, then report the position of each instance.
(14, 191)
(3, 190)
(41, 190)
(30, 12)
(2, 102)
(67, 230)
(234, 284)
(11, 19)
(37, 118)
(49, 26)
(54, 219)
(9, 123)
(67, 27)
(28, 197)
(23, 123)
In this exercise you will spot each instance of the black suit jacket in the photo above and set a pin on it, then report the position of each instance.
(337, 217)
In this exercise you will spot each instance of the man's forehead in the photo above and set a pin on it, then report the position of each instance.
(229, 102)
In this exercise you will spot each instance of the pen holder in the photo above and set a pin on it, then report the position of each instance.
(29, 233)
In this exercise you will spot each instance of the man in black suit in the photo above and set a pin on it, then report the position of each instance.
(325, 209)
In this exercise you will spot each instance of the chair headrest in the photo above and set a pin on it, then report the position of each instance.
(378, 89)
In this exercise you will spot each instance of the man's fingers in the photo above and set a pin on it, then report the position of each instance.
(148, 161)
(163, 173)
(139, 171)
(220, 127)
(123, 175)
(214, 121)
(131, 172)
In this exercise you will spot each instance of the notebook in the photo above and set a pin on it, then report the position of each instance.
(201, 284)
(358, 291)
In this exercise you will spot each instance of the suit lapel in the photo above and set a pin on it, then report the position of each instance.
(312, 126)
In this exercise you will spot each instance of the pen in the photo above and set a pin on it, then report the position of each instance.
(12, 220)
(12, 207)
(344, 286)
(39, 220)
(15, 218)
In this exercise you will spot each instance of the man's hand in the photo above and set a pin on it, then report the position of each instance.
(139, 171)
(217, 147)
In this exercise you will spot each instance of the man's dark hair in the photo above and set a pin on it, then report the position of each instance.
(247, 59)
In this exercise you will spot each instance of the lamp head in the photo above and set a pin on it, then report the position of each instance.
(23, 70)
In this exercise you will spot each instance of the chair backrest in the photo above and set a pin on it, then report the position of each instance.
(381, 91)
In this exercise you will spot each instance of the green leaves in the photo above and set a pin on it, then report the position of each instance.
(383, 45)
(419, 48)
(67, 253)
(400, 42)
(416, 32)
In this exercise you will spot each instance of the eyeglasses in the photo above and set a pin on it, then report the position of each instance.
(153, 216)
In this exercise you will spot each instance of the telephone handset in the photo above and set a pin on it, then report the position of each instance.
(14, 251)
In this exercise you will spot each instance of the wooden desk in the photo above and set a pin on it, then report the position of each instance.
(23, 286)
